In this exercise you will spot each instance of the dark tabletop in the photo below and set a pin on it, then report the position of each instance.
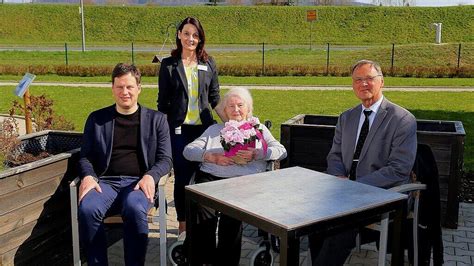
(295, 197)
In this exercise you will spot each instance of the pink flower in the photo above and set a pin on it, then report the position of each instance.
(237, 133)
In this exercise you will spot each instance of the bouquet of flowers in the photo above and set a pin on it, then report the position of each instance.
(236, 136)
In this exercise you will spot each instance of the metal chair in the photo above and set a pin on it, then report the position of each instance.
(414, 189)
(153, 217)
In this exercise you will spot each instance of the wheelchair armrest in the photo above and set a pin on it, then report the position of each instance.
(408, 187)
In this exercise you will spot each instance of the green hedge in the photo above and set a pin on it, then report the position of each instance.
(56, 24)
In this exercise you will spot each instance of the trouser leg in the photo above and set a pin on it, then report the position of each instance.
(135, 208)
(183, 169)
(332, 250)
(230, 241)
(91, 212)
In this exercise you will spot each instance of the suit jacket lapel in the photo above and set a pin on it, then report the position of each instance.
(201, 78)
(353, 124)
(109, 133)
(182, 73)
(144, 129)
(379, 117)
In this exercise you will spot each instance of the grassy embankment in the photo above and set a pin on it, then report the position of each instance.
(375, 27)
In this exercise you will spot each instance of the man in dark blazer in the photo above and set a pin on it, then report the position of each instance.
(384, 158)
(125, 150)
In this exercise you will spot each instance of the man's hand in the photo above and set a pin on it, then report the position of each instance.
(87, 184)
(218, 159)
(147, 185)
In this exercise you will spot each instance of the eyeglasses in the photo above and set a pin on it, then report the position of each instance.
(368, 79)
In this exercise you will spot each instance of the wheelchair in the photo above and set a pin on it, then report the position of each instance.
(261, 256)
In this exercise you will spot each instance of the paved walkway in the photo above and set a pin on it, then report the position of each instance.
(254, 87)
(458, 244)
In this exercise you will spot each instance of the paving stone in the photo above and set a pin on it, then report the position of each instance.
(471, 246)
(447, 237)
(463, 264)
(459, 233)
(449, 250)
(463, 239)
(463, 252)
(456, 245)
(455, 258)
(449, 263)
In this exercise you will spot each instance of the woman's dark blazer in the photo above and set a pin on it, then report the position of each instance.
(173, 92)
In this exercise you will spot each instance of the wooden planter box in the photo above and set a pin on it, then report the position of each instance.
(308, 140)
(34, 202)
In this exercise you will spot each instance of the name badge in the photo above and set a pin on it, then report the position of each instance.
(202, 67)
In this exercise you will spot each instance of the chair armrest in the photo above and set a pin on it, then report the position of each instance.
(164, 179)
(408, 187)
(75, 182)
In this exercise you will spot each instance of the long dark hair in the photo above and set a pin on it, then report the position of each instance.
(200, 51)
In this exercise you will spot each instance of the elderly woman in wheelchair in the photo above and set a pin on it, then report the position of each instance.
(216, 164)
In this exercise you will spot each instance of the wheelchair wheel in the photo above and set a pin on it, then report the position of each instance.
(176, 254)
(261, 257)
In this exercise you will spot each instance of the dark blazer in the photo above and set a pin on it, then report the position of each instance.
(173, 91)
(98, 139)
(388, 153)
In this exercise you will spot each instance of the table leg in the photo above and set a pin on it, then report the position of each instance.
(290, 250)
(397, 246)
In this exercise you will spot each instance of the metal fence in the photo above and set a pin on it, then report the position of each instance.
(421, 60)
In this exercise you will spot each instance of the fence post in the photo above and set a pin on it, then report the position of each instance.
(393, 59)
(65, 53)
(133, 55)
(263, 59)
(459, 56)
(327, 61)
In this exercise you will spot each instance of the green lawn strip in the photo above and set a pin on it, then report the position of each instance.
(425, 55)
(277, 81)
(277, 105)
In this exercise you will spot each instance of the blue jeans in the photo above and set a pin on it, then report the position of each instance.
(117, 196)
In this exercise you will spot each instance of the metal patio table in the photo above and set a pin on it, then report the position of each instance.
(293, 202)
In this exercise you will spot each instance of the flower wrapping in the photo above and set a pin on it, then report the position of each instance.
(241, 135)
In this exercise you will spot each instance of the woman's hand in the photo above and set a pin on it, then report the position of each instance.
(218, 159)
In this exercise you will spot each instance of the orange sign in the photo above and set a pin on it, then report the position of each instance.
(311, 15)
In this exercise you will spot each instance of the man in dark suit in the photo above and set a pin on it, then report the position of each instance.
(125, 150)
(374, 143)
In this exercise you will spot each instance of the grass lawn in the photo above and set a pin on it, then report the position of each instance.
(278, 106)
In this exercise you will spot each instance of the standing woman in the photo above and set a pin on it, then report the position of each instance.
(188, 89)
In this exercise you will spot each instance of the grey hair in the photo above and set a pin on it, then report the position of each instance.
(243, 94)
(373, 64)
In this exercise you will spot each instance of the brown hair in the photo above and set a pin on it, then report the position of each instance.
(123, 68)
(200, 51)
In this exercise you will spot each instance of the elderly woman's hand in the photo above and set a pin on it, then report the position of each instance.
(217, 158)
(247, 155)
